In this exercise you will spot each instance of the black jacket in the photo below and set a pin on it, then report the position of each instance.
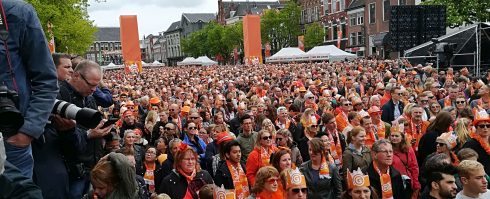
(427, 145)
(325, 188)
(14, 185)
(399, 192)
(483, 157)
(223, 175)
(388, 114)
(211, 150)
(175, 185)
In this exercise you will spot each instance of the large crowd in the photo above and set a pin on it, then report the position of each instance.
(366, 128)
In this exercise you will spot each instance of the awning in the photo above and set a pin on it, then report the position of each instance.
(380, 39)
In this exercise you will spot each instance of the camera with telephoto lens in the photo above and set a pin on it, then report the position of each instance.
(11, 118)
(86, 117)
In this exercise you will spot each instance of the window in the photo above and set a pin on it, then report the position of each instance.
(326, 5)
(344, 30)
(372, 13)
(360, 18)
(327, 31)
(334, 29)
(342, 5)
(360, 38)
(386, 10)
(353, 39)
(402, 2)
(334, 6)
(353, 19)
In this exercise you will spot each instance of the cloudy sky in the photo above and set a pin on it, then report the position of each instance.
(153, 15)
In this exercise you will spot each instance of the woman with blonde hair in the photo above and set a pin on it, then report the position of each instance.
(269, 126)
(267, 184)
(151, 119)
(462, 130)
(261, 155)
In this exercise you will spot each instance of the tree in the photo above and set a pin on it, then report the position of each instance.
(72, 29)
(463, 11)
(281, 28)
(314, 35)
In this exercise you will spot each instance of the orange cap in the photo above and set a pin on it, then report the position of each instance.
(186, 109)
(154, 100)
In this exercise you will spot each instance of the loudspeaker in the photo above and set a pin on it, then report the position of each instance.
(413, 25)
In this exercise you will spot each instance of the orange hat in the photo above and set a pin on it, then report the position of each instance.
(357, 179)
(223, 137)
(186, 109)
(374, 109)
(154, 100)
(481, 116)
(302, 89)
(449, 139)
(127, 113)
(295, 179)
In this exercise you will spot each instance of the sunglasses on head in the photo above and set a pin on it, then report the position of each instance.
(267, 137)
(297, 190)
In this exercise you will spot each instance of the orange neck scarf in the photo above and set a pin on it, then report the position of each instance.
(483, 143)
(270, 195)
(189, 178)
(386, 186)
(239, 180)
(324, 170)
(265, 155)
(336, 148)
(149, 176)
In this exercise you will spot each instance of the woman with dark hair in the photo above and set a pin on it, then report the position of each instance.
(192, 139)
(404, 159)
(150, 169)
(322, 179)
(434, 109)
(187, 177)
(281, 159)
(285, 139)
(427, 143)
(267, 184)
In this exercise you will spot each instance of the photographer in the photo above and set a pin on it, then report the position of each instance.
(81, 157)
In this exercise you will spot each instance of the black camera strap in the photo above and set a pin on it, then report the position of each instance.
(4, 35)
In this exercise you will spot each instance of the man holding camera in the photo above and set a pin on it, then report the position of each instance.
(89, 145)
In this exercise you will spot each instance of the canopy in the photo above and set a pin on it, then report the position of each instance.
(205, 61)
(329, 52)
(111, 64)
(156, 62)
(188, 61)
(287, 55)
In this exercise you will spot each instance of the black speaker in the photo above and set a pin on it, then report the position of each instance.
(412, 25)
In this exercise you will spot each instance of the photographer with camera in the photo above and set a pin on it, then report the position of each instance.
(89, 149)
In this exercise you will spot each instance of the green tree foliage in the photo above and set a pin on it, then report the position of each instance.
(281, 28)
(72, 29)
(314, 35)
(214, 39)
(463, 11)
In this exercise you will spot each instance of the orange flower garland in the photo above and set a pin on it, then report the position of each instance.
(482, 142)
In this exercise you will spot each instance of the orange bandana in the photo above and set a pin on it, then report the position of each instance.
(239, 180)
(386, 187)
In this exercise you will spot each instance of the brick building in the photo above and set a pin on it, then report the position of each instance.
(335, 22)
(107, 46)
(311, 12)
(356, 29)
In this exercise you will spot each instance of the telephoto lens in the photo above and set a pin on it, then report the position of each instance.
(10, 117)
(86, 117)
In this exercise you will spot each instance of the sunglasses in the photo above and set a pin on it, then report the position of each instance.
(289, 102)
(193, 118)
(273, 180)
(431, 97)
(435, 107)
(170, 109)
(278, 139)
(460, 102)
(349, 104)
(297, 190)
(440, 144)
(424, 101)
(311, 97)
(400, 94)
(267, 137)
(484, 126)
(169, 129)
(192, 128)
(314, 126)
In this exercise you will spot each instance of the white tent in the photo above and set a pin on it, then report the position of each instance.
(156, 62)
(143, 63)
(330, 52)
(205, 61)
(111, 64)
(287, 55)
(188, 61)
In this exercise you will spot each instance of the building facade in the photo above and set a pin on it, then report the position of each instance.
(107, 47)
(230, 12)
(160, 49)
(311, 12)
(356, 29)
(335, 22)
(174, 50)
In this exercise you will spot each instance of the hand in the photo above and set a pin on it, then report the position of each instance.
(20, 140)
(62, 124)
(98, 131)
(415, 194)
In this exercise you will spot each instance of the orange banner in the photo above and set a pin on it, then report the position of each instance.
(301, 42)
(339, 37)
(267, 50)
(252, 43)
(51, 45)
(130, 43)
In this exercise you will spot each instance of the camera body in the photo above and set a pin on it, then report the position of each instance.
(11, 118)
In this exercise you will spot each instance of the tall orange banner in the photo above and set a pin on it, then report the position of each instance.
(51, 45)
(252, 43)
(301, 42)
(130, 43)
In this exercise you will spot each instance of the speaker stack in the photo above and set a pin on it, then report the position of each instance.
(413, 25)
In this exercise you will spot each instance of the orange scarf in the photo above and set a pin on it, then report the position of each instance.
(447, 102)
(324, 170)
(381, 130)
(336, 149)
(483, 143)
(265, 155)
(270, 195)
(386, 186)
(150, 176)
(239, 180)
(189, 178)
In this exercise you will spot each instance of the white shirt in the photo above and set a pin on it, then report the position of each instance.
(485, 195)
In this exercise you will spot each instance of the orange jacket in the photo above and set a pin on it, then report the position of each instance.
(253, 165)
